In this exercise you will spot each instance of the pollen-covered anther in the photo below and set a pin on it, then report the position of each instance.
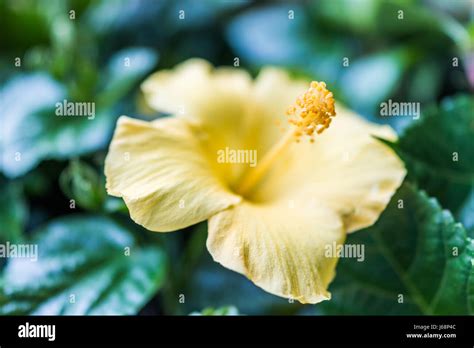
(312, 111)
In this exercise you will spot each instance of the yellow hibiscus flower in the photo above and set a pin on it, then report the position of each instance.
(271, 222)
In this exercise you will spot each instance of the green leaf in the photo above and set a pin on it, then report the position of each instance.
(358, 79)
(439, 154)
(83, 267)
(31, 131)
(81, 182)
(228, 310)
(124, 70)
(366, 17)
(265, 36)
(211, 285)
(115, 205)
(417, 260)
(13, 213)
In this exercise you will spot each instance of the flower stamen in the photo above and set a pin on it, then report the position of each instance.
(312, 113)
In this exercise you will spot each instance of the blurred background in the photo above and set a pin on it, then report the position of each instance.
(51, 174)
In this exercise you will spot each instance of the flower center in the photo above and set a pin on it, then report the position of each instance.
(312, 113)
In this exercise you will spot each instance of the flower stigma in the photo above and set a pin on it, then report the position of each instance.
(311, 114)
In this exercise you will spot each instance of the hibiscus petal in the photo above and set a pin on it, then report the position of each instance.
(199, 91)
(346, 167)
(164, 175)
(280, 246)
(218, 104)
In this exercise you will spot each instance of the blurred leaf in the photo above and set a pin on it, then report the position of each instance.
(415, 250)
(25, 25)
(114, 204)
(13, 213)
(356, 15)
(36, 92)
(439, 154)
(424, 81)
(125, 69)
(207, 284)
(134, 22)
(372, 79)
(83, 258)
(31, 131)
(229, 310)
(106, 17)
(267, 36)
(212, 285)
(199, 14)
(80, 181)
(389, 18)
